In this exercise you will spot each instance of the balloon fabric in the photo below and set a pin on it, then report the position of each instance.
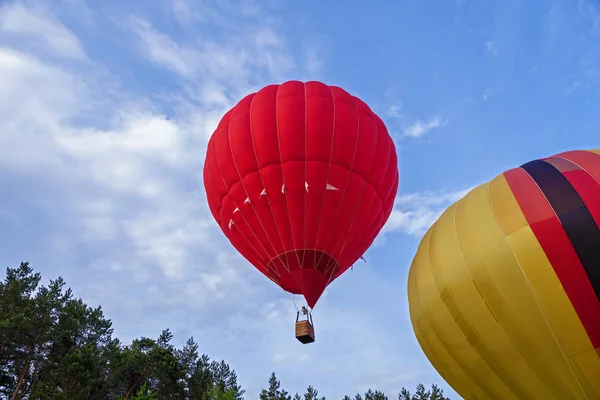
(301, 177)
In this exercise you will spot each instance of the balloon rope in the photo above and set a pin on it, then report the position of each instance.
(291, 296)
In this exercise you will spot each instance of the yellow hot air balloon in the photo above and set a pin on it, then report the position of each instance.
(504, 291)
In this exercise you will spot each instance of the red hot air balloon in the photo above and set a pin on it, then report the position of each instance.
(301, 178)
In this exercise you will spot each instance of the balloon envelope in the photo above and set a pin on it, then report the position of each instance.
(301, 178)
(504, 288)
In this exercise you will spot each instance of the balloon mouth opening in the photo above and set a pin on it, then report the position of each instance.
(303, 271)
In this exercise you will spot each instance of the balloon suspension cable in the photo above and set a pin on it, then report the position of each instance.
(293, 299)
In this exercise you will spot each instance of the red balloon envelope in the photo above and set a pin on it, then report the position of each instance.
(301, 178)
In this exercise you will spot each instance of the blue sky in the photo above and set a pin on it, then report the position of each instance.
(106, 109)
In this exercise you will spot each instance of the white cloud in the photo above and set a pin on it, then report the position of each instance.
(420, 128)
(414, 213)
(160, 49)
(491, 48)
(314, 59)
(35, 99)
(114, 181)
(132, 184)
(394, 111)
(182, 10)
(589, 10)
(32, 21)
(229, 64)
(488, 94)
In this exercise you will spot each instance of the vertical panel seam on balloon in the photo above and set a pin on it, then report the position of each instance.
(210, 188)
(287, 205)
(375, 231)
(448, 308)
(266, 254)
(255, 253)
(286, 267)
(377, 227)
(558, 217)
(583, 266)
(353, 216)
(544, 248)
(430, 320)
(439, 293)
(580, 167)
(537, 300)
(246, 191)
(350, 224)
(427, 320)
(266, 257)
(583, 169)
(326, 180)
(502, 328)
(327, 267)
(460, 252)
(251, 230)
(305, 177)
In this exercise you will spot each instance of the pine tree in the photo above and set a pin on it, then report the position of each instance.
(421, 394)
(274, 392)
(312, 394)
(54, 346)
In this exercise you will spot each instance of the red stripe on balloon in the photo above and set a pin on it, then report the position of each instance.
(586, 186)
(558, 248)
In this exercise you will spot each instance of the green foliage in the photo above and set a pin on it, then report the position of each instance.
(143, 393)
(274, 392)
(54, 346)
(421, 394)
(375, 395)
(312, 394)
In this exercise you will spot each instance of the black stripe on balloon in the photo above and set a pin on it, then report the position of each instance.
(576, 219)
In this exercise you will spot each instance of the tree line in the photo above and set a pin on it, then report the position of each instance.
(54, 346)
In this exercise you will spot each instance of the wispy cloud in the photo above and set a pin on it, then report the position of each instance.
(36, 22)
(130, 188)
(491, 48)
(488, 94)
(414, 213)
(420, 128)
(232, 63)
(394, 111)
(314, 59)
(106, 181)
(589, 10)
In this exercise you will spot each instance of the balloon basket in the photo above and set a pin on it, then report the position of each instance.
(305, 332)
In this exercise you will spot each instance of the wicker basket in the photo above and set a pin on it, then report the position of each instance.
(305, 332)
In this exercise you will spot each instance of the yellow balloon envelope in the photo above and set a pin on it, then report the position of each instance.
(504, 291)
